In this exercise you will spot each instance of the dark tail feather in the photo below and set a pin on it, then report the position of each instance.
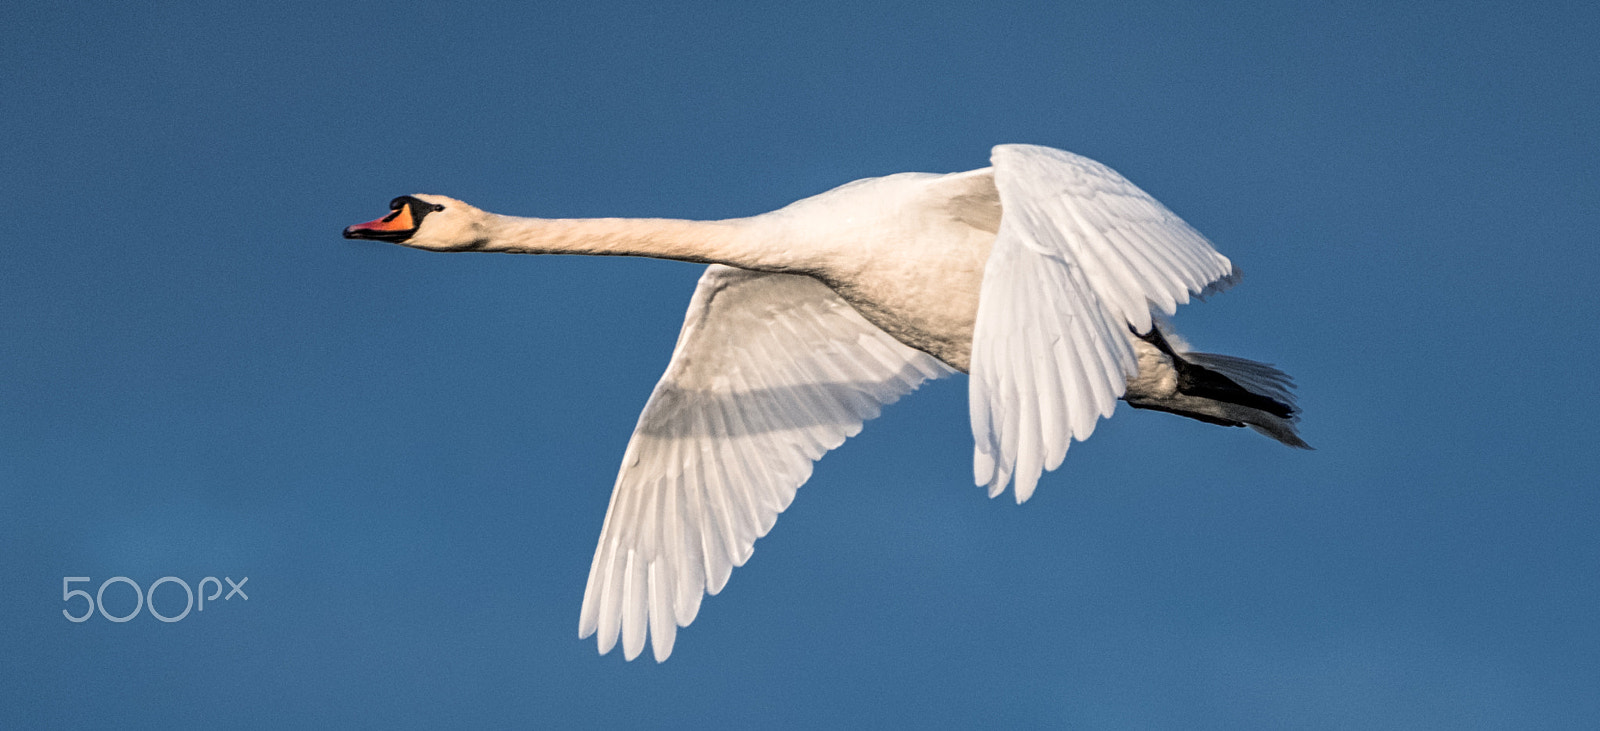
(1264, 394)
(1200, 381)
(1260, 378)
(1222, 389)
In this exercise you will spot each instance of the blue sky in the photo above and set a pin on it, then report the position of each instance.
(409, 454)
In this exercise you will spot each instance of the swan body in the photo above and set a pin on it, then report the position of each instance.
(1041, 276)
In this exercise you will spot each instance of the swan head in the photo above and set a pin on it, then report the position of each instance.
(426, 222)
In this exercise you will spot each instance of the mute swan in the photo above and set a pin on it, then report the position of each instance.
(1038, 276)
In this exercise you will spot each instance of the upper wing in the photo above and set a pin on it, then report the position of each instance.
(770, 371)
(1082, 254)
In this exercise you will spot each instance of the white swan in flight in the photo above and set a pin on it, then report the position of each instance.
(1038, 276)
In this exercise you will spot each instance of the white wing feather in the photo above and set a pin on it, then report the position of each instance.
(770, 372)
(1081, 255)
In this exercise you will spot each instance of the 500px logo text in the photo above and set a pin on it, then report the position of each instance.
(97, 600)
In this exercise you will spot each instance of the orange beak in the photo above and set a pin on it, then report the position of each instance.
(397, 222)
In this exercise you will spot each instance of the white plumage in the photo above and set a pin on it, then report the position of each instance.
(1038, 275)
(770, 372)
(1081, 256)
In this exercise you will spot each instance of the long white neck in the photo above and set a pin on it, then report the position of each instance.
(736, 242)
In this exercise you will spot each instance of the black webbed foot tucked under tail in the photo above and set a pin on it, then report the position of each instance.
(1223, 390)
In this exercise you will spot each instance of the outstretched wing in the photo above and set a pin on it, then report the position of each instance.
(770, 372)
(1081, 255)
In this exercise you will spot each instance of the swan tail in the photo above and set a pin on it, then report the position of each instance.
(1262, 396)
(1224, 390)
